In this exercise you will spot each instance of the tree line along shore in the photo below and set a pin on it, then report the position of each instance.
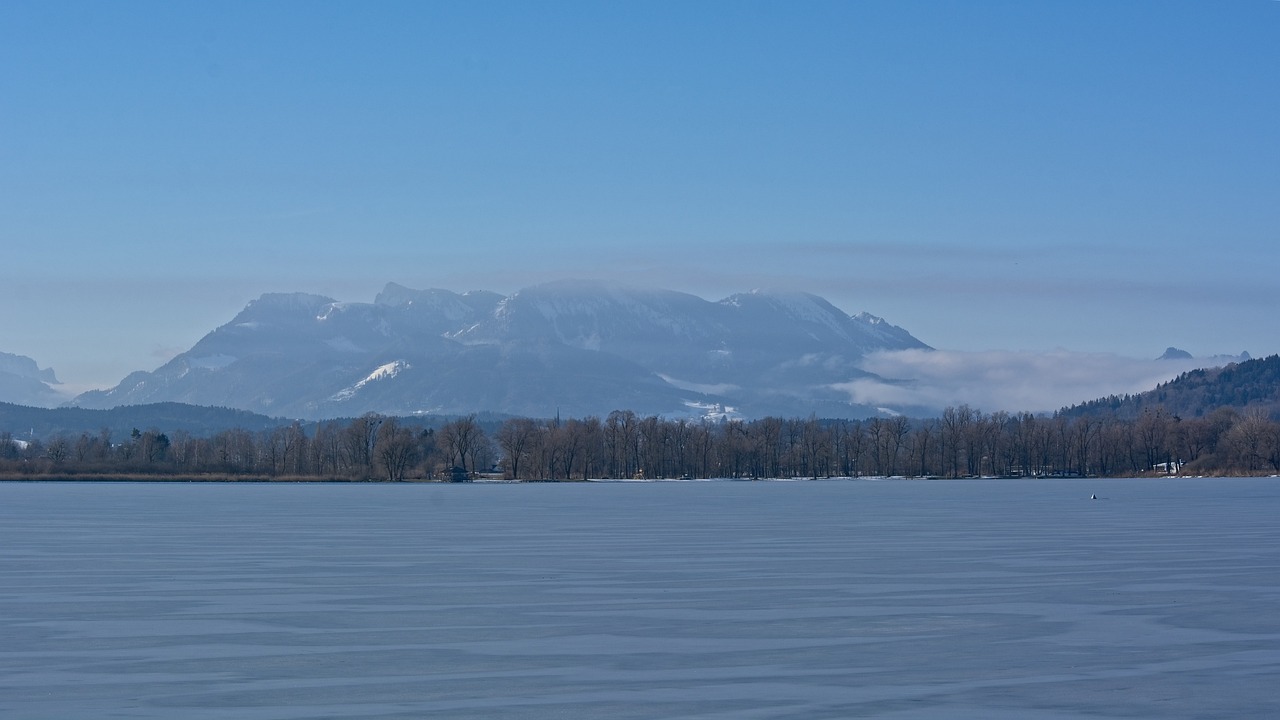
(962, 442)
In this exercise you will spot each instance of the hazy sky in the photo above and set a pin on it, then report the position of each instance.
(1102, 177)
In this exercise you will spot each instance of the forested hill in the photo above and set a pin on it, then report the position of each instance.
(22, 421)
(1252, 385)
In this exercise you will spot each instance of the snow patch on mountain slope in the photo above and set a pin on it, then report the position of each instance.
(391, 369)
(329, 310)
(467, 336)
(383, 372)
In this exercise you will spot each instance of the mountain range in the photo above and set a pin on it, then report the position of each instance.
(1174, 353)
(572, 348)
(23, 382)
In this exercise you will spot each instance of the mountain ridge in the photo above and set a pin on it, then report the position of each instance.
(25, 422)
(23, 381)
(578, 347)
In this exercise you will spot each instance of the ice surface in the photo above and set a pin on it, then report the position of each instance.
(892, 599)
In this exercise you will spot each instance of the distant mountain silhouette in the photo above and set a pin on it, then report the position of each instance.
(1173, 353)
(22, 381)
(577, 348)
(23, 421)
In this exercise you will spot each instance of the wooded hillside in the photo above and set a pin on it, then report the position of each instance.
(1252, 386)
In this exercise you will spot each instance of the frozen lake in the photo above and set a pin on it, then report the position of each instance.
(891, 599)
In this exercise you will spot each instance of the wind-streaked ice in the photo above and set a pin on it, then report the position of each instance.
(894, 599)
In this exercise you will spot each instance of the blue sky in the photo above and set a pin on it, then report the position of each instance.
(1100, 177)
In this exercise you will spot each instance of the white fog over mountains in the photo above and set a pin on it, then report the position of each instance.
(587, 348)
(1009, 380)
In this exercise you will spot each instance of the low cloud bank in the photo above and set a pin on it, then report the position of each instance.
(1005, 380)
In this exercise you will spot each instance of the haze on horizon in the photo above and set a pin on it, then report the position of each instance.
(1003, 180)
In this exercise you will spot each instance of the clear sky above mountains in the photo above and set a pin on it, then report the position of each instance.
(1096, 176)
